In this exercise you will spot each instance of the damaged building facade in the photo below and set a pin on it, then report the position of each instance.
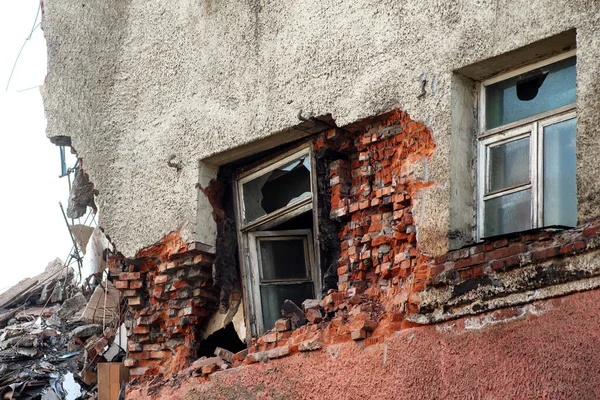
(306, 198)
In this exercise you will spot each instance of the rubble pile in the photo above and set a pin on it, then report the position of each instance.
(53, 334)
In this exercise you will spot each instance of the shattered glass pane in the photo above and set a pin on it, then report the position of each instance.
(560, 189)
(273, 296)
(508, 213)
(283, 259)
(532, 93)
(276, 189)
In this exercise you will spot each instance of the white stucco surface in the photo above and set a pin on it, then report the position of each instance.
(135, 82)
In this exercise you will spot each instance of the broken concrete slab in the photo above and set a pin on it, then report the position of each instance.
(31, 289)
(21, 341)
(103, 306)
(71, 306)
(86, 331)
(82, 234)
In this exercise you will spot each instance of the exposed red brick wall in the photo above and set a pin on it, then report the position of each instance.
(373, 194)
(169, 294)
(384, 280)
(507, 253)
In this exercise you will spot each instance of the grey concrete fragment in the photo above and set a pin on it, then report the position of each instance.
(21, 341)
(312, 303)
(86, 331)
(26, 351)
(81, 196)
(71, 306)
(310, 344)
(294, 313)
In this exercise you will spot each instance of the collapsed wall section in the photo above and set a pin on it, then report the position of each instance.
(170, 293)
(384, 282)
(373, 195)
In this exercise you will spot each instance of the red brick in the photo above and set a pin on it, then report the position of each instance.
(161, 354)
(567, 248)
(498, 265)
(501, 243)
(512, 261)
(139, 355)
(152, 347)
(282, 325)
(149, 363)
(209, 369)
(136, 284)
(477, 271)
(467, 262)
(158, 291)
(514, 249)
(122, 284)
(130, 362)
(553, 251)
(379, 240)
(141, 330)
(436, 269)
(538, 255)
(129, 276)
(180, 284)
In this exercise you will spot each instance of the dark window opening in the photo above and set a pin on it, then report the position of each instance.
(225, 338)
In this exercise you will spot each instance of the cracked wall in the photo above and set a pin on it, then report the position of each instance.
(133, 83)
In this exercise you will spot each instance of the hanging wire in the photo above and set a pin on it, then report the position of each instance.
(35, 25)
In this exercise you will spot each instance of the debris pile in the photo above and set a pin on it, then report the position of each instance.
(53, 334)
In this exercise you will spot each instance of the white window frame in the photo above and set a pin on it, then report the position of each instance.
(249, 233)
(531, 126)
(312, 273)
(284, 213)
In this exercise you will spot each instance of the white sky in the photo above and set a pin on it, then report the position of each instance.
(32, 229)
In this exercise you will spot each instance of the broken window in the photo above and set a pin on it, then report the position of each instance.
(527, 149)
(275, 220)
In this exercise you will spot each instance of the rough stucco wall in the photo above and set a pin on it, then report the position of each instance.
(545, 350)
(133, 82)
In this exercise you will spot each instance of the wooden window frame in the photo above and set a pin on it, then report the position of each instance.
(247, 233)
(312, 274)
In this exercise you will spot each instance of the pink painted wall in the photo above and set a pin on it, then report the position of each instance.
(548, 350)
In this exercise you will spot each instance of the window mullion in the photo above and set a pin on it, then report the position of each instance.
(536, 158)
(481, 178)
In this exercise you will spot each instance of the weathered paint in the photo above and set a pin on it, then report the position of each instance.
(547, 349)
(135, 82)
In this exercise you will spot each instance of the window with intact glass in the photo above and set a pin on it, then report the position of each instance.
(508, 165)
(508, 213)
(283, 259)
(531, 93)
(560, 189)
